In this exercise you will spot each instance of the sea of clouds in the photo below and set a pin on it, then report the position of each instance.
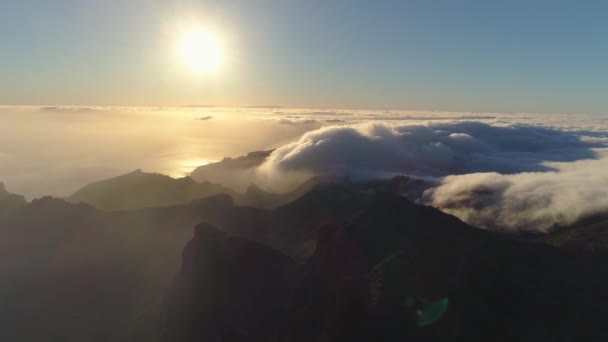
(500, 171)
(501, 175)
(495, 170)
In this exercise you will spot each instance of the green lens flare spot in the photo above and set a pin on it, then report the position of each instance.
(432, 312)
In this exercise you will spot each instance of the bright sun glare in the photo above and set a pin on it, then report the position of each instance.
(201, 50)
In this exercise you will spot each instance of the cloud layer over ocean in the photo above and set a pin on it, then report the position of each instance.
(496, 170)
(500, 175)
(432, 149)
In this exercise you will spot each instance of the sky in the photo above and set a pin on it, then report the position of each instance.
(470, 55)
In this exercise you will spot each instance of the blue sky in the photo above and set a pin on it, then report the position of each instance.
(475, 55)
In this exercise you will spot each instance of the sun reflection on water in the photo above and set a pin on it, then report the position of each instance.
(184, 167)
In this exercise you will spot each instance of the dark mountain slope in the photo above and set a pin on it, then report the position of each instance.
(228, 288)
(137, 190)
(232, 172)
(372, 267)
(498, 288)
(9, 202)
(590, 234)
(256, 197)
(396, 271)
(80, 274)
(292, 228)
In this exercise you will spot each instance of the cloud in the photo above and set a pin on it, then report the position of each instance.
(293, 121)
(56, 153)
(497, 170)
(328, 113)
(70, 109)
(508, 176)
(432, 117)
(431, 149)
(204, 118)
(526, 201)
(263, 107)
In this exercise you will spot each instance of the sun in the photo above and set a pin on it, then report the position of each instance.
(201, 50)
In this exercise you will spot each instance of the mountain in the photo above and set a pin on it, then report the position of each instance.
(138, 190)
(342, 262)
(590, 234)
(76, 273)
(394, 271)
(292, 227)
(228, 287)
(408, 187)
(235, 173)
(10, 202)
(256, 197)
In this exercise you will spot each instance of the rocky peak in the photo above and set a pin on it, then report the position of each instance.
(228, 287)
(8, 201)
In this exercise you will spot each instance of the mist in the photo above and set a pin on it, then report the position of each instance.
(57, 150)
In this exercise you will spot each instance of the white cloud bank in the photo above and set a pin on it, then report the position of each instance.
(430, 149)
(501, 175)
(526, 201)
